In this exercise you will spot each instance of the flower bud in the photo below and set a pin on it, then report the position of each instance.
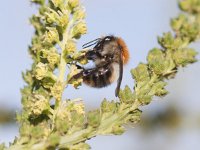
(37, 104)
(53, 58)
(64, 19)
(50, 17)
(73, 3)
(79, 107)
(56, 90)
(79, 14)
(57, 3)
(70, 46)
(79, 29)
(60, 18)
(41, 71)
(51, 35)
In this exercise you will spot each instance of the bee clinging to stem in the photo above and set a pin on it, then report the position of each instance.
(109, 54)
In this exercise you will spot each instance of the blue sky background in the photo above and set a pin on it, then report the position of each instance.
(138, 23)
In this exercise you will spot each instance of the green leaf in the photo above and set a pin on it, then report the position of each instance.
(140, 73)
(108, 107)
(158, 88)
(28, 77)
(134, 116)
(191, 6)
(182, 57)
(170, 43)
(94, 118)
(126, 95)
(161, 63)
(53, 140)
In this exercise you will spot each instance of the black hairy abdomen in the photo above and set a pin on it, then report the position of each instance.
(99, 78)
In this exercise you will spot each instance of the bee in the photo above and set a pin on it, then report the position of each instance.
(109, 54)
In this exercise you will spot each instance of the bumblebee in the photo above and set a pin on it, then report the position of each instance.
(109, 54)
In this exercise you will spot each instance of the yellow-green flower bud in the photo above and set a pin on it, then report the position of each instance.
(73, 3)
(79, 29)
(66, 107)
(64, 20)
(57, 3)
(51, 35)
(41, 71)
(37, 104)
(61, 18)
(70, 46)
(56, 90)
(79, 108)
(80, 57)
(53, 58)
(79, 14)
(178, 22)
(50, 17)
(44, 53)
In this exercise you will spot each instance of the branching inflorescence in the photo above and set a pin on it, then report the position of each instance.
(48, 121)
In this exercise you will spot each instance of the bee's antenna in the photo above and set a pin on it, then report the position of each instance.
(89, 43)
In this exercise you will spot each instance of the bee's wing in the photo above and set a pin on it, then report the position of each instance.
(120, 74)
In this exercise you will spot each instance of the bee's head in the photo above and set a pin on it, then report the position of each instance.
(109, 48)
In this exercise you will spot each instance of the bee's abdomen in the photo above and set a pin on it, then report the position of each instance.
(100, 78)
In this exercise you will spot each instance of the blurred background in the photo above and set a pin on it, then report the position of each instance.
(169, 123)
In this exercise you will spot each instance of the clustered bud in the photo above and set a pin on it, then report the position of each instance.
(53, 58)
(59, 18)
(51, 35)
(37, 104)
(79, 14)
(79, 29)
(56, 90)
(70, 47)
(73, 3)
(57, 3)
(41, 71)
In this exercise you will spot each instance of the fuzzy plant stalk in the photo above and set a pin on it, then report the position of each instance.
(50, 121)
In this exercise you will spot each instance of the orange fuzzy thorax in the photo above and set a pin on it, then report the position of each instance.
(125, 51)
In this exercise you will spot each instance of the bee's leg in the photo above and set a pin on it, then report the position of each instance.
(83, 73)
(79, 67)
(76, 76)
(78, 58)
